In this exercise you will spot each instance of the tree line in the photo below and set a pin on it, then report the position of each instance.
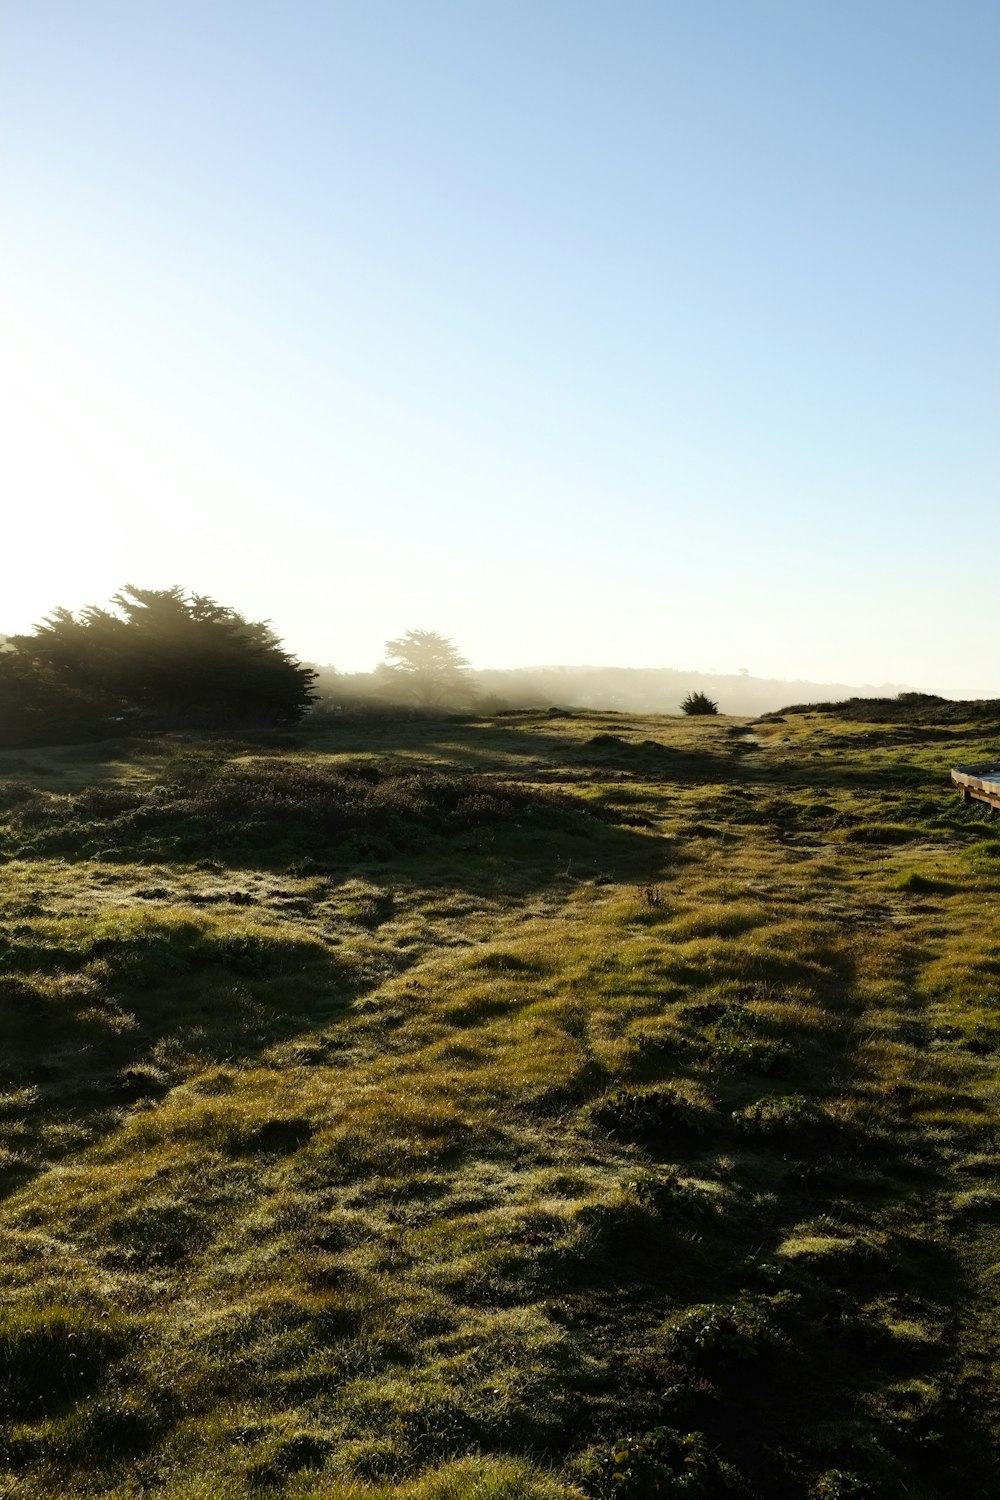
(163, 659)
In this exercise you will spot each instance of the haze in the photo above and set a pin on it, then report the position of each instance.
(648, 335)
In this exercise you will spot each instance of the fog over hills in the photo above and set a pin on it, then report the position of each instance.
(661, 689)
(628, 689)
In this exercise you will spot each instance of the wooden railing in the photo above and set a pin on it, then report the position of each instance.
(981, 782)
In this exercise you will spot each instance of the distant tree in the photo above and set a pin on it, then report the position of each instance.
(426, 668)
(699, 703)
(160, 658)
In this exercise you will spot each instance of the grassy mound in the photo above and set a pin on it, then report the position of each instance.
(281, 809)
(927, 709)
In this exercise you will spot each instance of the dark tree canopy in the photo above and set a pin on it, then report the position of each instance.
(158, 659)
(427, 668)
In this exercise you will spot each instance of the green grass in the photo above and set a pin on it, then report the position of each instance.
(548, 1106)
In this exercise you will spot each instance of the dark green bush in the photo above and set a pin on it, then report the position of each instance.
(779, 1115)
(154, 955)
(840, 1484)
(660, 1463)
(736, 1044)
(672, 1199)
(699, 703)
(751, 1054)
(717, 1333)
(905, 708)
(635, 1113)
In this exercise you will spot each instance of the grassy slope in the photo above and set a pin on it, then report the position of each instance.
(428, 1165)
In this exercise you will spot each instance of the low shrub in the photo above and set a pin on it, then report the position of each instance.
(839, 1484)
(672, 1199)
(723, 1331)
(662, 1462)
(699, 703)
(736, 1045)
(779, 1115)
(635, 1113)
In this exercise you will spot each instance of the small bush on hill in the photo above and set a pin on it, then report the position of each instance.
(662, 1462)
(636, 1113)
(736, 1044)
(699, 703)
(668, 1196)
(779, 1115)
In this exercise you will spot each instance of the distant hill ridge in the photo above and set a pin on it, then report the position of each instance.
(662, 689)
(627, 689)
(906, 708)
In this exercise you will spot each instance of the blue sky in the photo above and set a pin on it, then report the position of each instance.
(646, 333)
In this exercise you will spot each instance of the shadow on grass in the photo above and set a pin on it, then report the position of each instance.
(253, 805)
(816, 1292)
(304, 816)
(530, 752)
(524, 747)
(101, 1017)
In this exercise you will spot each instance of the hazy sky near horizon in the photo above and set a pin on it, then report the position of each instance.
(638, 333)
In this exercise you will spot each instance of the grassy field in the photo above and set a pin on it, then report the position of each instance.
(557, 1105)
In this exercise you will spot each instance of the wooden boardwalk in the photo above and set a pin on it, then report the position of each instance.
(981, 782)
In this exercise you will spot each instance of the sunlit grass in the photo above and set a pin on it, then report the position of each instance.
(430, 1171)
